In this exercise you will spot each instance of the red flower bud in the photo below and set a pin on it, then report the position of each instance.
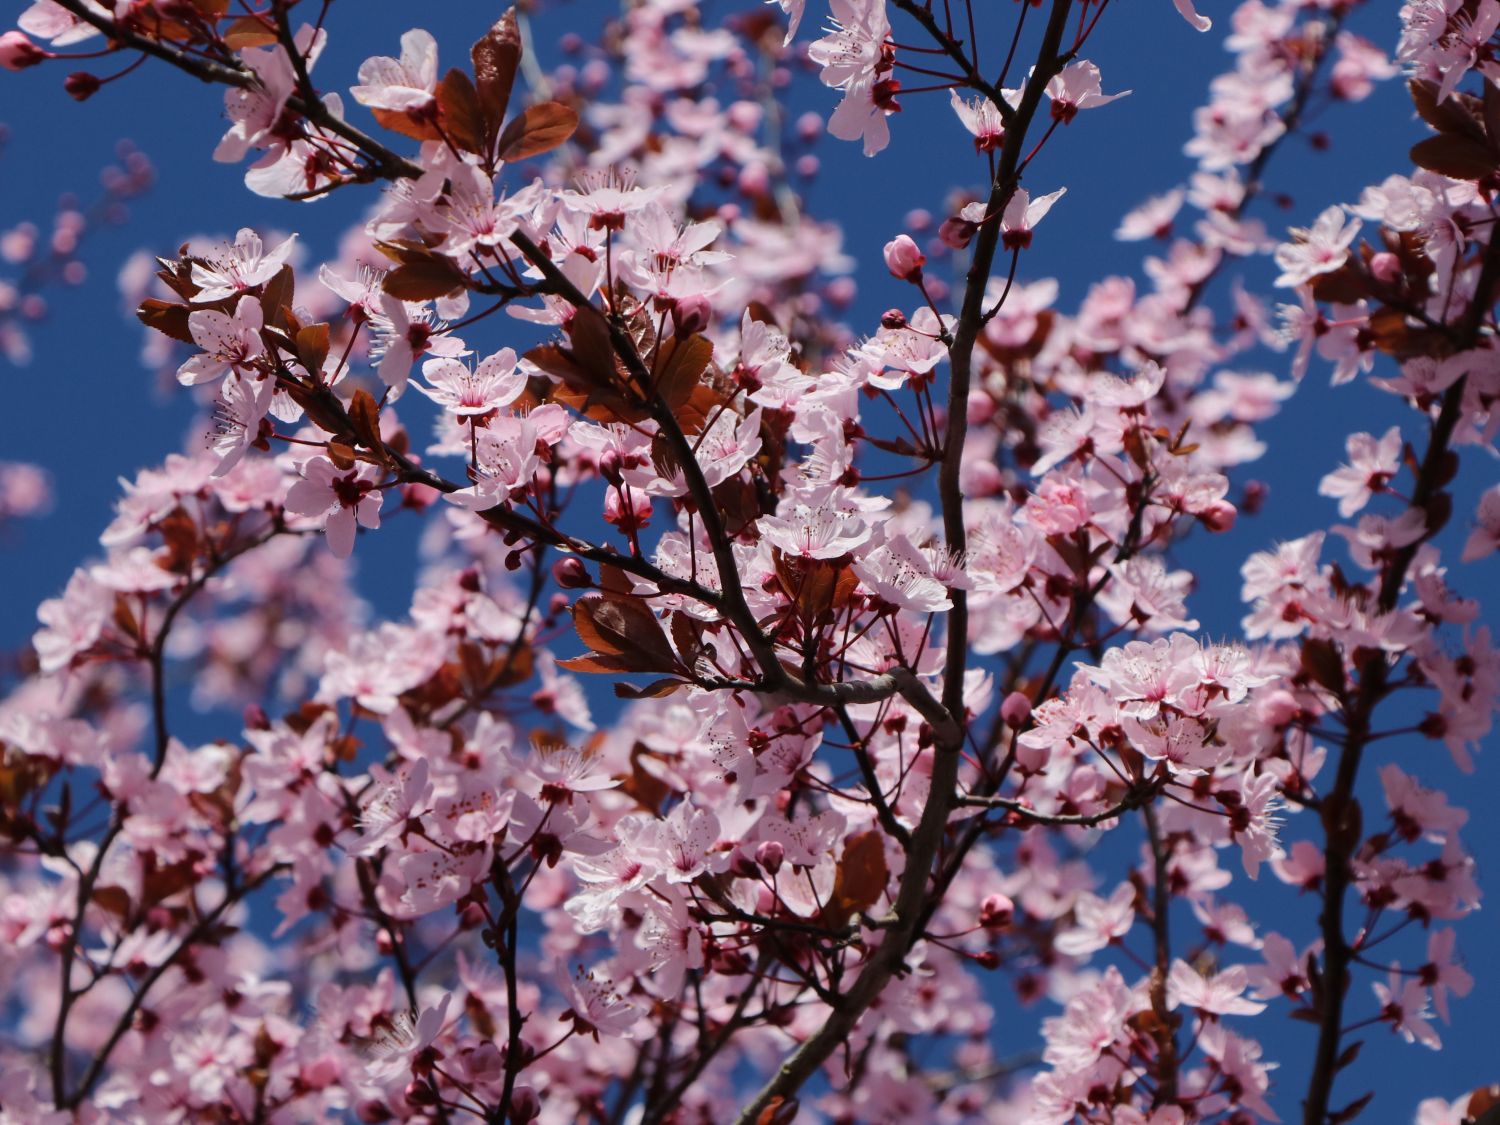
(571, 574)
(81, 85)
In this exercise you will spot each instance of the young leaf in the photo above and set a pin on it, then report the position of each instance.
(862, 873)
(541, 128)
(425, 280)
(463, 120)
(497, 57)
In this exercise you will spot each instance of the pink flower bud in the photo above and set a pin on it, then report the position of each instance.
(1016, 709)
(904, 258)
(18, 52)
(893, 318)
(691, 316)
(771, 855)
(571, 574)
(524, 1105)
(1385, 267)
(957, 232)
(996, 912)
(609, 467)
(1218, 516)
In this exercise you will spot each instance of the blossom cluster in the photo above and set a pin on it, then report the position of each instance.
(898, 623)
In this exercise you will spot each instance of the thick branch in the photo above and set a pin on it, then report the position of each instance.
(1339, 806)
(903, 924)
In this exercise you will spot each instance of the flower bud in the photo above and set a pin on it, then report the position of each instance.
(996, 912)
(81, 85)
(1218, 516)
(690, 316)
(1385, 267)
(957, 232)
(609, 467)
(1016, 709)
(771, 855)
(524, 1105)
(571, 574)
(18, 52)
(893, 319)
(904, 258)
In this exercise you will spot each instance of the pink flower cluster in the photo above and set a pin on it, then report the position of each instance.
(909, 682)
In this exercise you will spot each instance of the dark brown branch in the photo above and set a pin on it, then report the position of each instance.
(1339, 808)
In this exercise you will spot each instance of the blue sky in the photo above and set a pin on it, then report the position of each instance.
(87, 410)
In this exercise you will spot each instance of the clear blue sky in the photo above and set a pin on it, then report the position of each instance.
(87, 410)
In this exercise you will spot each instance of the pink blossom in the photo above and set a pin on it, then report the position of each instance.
(1022, 214)
(405, 85)
(1077, 87)
(229, 343)
(240, 266)
(1316, 250)
(341, 498)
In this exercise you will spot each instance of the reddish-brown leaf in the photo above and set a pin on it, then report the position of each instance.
(1322, 663)
(541, 128)
(496, 57)
(312, 347)
(364, 417)
(625, 627)
(248, 31)
(114, 899)
(277, 295)
(1459, 115)
(399, 121)
(167, 318)
(1458, 157)
(679, 367)
(424, 280)
(462, 118)
(862, 874)
(656, 689)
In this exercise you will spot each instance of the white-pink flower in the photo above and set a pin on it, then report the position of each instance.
(1078, 87)
(1372, 463)
(239, 267)
(1022, 214)
(1318, 249)
(496, 381)
(229, 343)
(404, 85)
(341, 497)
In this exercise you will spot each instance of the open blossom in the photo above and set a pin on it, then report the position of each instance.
(1319, 249)
(982, 119)
(1484, 540)
(1371, 465)
(229, 343)
(597, 1009)
(343, 498)
(406, 84)
(239, 266)
(1213, 996)
(851, 51)
(1403, 1004)
(1022, 214)
(407, 1045)
(1077, 88)
(496, 381)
